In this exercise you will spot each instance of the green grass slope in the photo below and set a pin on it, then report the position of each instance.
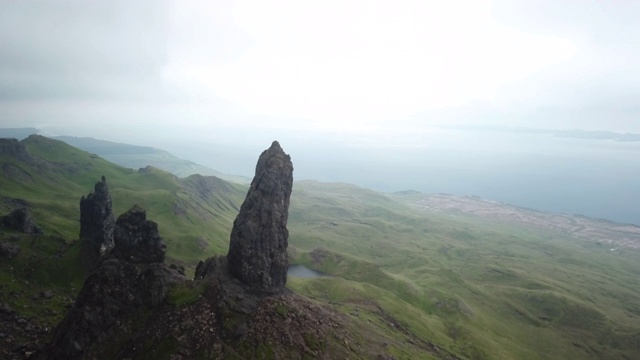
(49, 176)
(480, 289)
(194, 214)
(135, 157)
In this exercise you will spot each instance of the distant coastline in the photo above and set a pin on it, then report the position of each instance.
(573, 134)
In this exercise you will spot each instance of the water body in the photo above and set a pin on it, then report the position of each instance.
(304, 272)
(592, 177)
(596, 178)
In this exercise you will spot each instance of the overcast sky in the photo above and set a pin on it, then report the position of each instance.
(228, 70)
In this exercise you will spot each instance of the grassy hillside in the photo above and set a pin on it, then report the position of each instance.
(427, 284)
(135, 157)
(194, 214)
(481, 289)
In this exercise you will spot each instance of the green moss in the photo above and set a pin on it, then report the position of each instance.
(264, 351)
(312, 342)
(282, 310)
(186, 293)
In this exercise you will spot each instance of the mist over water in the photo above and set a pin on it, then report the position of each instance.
(596, 178)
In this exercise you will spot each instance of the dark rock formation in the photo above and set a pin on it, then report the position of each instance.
(137, 239)
(211, 267)
(115, 290)
(14, 148)
(132, 278)
(133, 306)
(97, 224)
(20, 220)
(259, 239)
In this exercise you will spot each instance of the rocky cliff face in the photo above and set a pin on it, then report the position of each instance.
(97, 224)
(14, 148)
(259, 239)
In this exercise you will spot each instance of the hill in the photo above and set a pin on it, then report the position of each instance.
(135, 157)
(130, 156)
(49, 176)
(406, 271)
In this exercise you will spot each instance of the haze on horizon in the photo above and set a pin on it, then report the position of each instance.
(377, 93)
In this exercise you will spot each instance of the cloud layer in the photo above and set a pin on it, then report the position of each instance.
(333, 66)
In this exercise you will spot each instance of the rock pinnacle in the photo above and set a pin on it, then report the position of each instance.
(97, 224)
(259, 239)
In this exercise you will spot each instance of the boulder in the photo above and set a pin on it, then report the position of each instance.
(20, 220)
(137, 239)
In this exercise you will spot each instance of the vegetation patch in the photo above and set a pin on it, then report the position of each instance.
(282, 310)
(186, 293)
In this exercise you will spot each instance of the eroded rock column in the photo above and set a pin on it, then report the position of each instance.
(97, 224)
(259, 239)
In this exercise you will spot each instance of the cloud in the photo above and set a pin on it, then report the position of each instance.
(605, 70)
(332, 66)
(363, 61)
(80, 49)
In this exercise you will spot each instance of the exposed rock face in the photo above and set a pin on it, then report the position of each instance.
(259, 239)
(137, 239)
(21, 220)
(132, 277)
(115, 290)
(14, 148)
(97, 224)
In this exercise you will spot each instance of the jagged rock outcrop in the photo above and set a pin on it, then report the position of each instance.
(259, 238)
(114, 291)
(97, 224)
(20, 220)
(212, 266)
(131, 278)
(137, 239)
(14, 148)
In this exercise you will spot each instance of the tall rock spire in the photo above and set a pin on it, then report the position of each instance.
(97, 224)
(259, 239)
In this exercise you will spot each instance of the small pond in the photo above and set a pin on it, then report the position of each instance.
(304, 272)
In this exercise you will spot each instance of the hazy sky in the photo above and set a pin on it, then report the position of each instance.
(359, 91)
(354, 68)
